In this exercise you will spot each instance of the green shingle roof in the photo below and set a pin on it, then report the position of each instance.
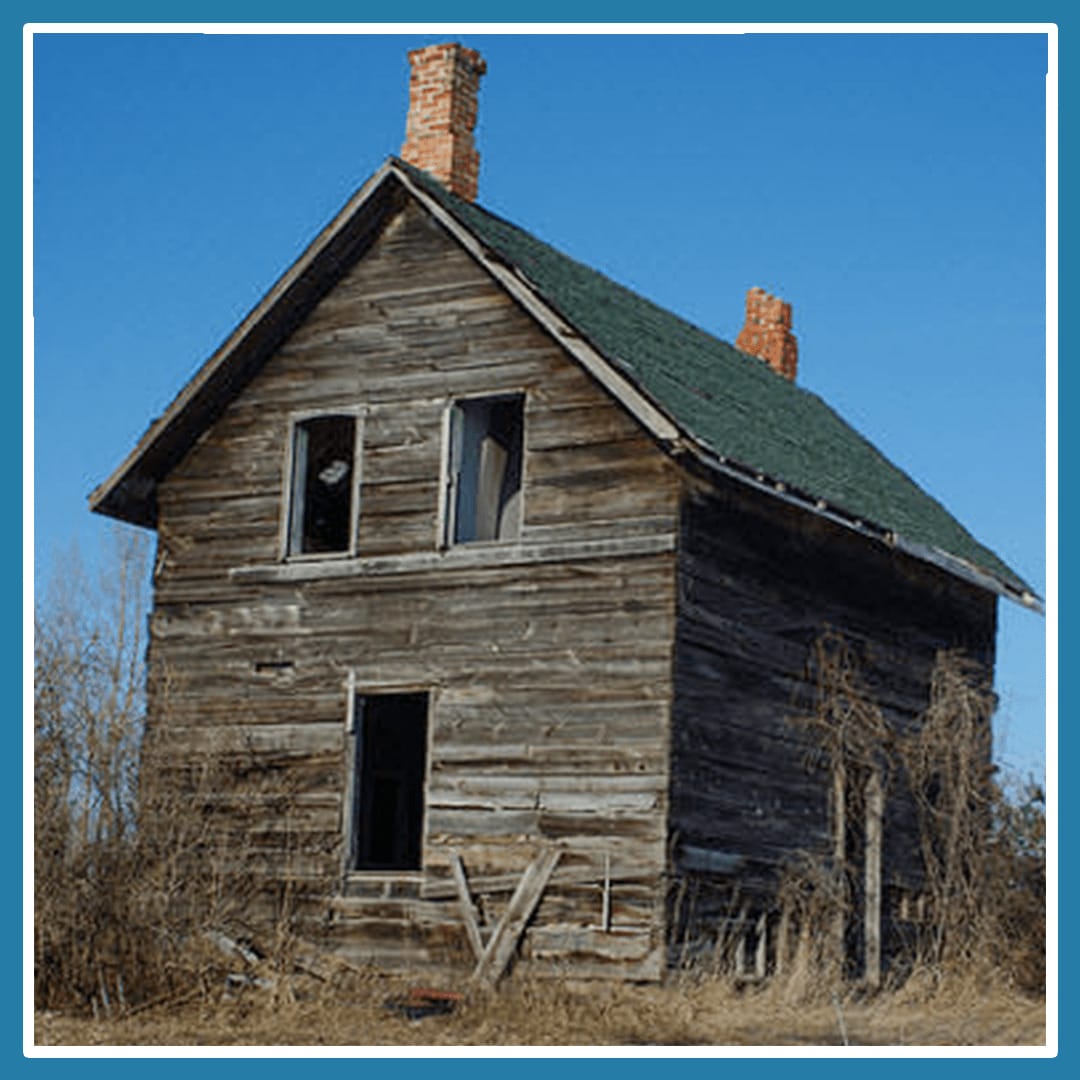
(731, 404)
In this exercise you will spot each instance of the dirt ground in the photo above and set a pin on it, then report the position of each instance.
(367, 1012)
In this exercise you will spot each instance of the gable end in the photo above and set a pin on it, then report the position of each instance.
(130, 494)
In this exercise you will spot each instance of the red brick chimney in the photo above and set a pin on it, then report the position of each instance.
(767, 333)
(442, 115)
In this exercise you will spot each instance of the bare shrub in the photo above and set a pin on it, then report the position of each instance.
(1019, 856)
(949, 769)
(812, 896)
(140, 857)
(851, 742)
(982, 855)
(88, 709)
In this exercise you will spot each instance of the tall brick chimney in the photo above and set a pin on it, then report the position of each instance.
(767, 333)
(442, 115)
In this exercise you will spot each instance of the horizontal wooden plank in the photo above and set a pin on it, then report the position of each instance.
(564, 942)
(589, 873)
(462, 557)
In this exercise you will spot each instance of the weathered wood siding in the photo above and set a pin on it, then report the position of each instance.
(758, 583)
(548, 664)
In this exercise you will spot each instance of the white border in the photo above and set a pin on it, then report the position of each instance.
(1051, 718)
(578, 29)
(523, 29)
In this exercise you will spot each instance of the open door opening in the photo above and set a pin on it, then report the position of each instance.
(389, 765)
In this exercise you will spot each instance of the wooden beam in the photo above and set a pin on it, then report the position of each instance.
(507, 883)
(872, 888)
(783, 938)
(839, 802)
(504, 941)
(468, 909)
(463, 557)
(605, 911)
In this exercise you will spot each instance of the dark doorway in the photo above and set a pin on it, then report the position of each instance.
(388, 785)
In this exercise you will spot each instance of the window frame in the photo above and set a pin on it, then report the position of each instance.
(296, 420)
(446, 520)
(355, 689)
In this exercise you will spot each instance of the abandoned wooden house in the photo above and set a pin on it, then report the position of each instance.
(515, 577)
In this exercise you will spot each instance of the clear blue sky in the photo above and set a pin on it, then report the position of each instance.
(891, 187)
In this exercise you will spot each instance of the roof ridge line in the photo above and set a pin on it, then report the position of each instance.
(753, 361)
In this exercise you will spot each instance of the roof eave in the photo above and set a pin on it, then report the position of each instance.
(943, 560)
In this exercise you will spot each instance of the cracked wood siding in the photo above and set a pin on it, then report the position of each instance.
(758, 582)
(550, 681)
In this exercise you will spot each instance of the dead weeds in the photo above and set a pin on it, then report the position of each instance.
(542, 1013)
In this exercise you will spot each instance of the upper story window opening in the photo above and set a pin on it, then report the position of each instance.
(484, 473)
(322, 499)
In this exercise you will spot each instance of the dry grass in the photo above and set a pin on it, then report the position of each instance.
(536, 1013)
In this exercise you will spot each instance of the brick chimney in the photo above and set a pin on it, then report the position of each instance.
(442, 115)
(767, 333)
